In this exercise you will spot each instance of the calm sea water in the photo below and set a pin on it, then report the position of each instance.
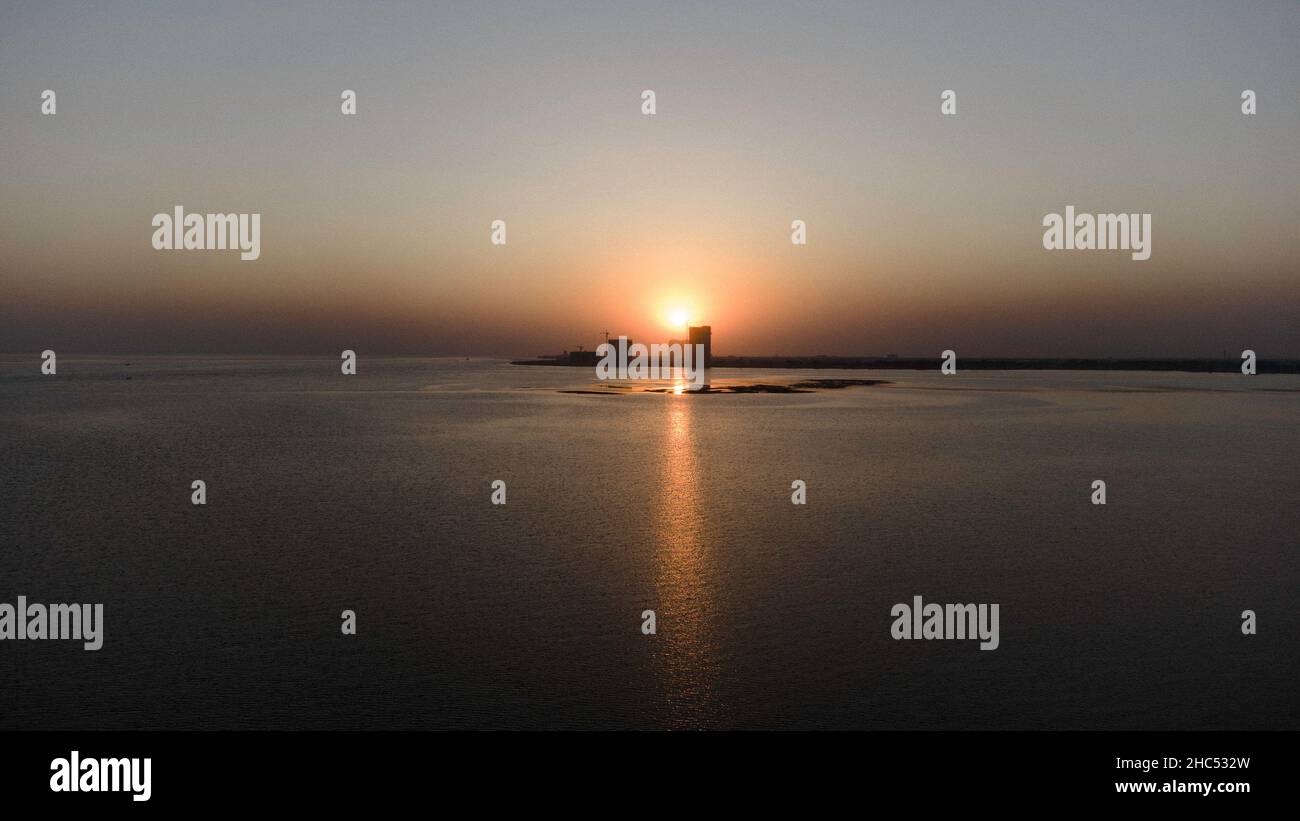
(371, 493)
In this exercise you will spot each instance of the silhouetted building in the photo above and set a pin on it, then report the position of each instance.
(703, 335)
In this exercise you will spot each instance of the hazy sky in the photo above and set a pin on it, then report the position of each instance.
(924, 231)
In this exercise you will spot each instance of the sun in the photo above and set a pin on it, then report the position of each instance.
(678, 317)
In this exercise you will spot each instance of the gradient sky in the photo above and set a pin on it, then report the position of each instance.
(924, 231)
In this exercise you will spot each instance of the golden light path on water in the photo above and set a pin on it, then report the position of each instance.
(687, 654)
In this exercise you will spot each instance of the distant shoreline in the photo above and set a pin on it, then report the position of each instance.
(972, 363)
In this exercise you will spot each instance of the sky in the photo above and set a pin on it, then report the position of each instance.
(924, 231)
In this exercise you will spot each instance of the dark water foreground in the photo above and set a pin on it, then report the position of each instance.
(371, 493)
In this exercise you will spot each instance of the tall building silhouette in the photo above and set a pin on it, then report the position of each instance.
(703, 335)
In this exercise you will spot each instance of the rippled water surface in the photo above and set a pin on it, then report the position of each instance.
(371, 493)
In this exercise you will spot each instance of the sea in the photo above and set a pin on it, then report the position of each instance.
(372, 493)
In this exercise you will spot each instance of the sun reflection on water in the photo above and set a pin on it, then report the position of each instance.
(686, 654)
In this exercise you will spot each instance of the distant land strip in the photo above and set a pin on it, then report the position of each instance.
(968, 363)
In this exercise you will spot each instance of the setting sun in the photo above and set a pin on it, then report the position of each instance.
(678, 317)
